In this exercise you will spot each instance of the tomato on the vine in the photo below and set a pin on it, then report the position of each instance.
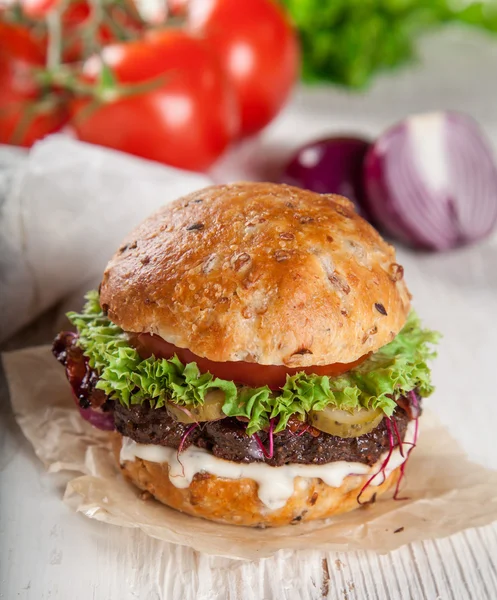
(258, 49)
(38, 9)
(178, 109)
(26, 112)
(21, 48)
(180, 96)
(76, 19)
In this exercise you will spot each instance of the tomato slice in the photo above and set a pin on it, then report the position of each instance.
(245, 373)
(186, 118)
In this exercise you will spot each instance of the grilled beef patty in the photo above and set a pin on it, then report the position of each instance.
(225, 438)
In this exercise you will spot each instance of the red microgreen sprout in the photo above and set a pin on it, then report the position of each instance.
(399, 480)
(306, 428)
(187, 412)
(185, 435)
(259, 443)
(383, 466)
(415, 403)
(414, 400)
(389, 423)
(181, 444)
(267, 454)
(397, 435)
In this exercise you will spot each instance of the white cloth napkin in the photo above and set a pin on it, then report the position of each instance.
(64, 208)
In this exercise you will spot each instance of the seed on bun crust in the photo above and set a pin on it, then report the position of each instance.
(259, 272)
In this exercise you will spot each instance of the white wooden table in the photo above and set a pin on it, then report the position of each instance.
(46, 551)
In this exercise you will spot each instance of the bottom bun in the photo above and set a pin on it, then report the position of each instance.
(235, 501)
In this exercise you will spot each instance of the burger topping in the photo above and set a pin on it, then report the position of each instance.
(210, 410)
(344, 423)
(375, 384)
(275, 486)
(244, 373)
(81, 376)
(227, 438)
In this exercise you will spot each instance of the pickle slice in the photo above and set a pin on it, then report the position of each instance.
(345, 424)
(211, 410)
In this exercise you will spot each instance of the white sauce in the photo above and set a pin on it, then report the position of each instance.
(276, 484)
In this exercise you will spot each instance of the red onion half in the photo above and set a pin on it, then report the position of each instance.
(431, 181)
(330, 166)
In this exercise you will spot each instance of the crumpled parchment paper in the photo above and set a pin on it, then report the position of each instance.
(447, 493)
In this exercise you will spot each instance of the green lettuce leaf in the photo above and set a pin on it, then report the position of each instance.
(392, 371)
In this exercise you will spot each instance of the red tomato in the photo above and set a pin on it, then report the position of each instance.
(76, 20)
(19, 46)
(245, 373)
(186, 118)
(41, 119)
(177, 7)
(258, 49)
(38, 8)
(25, 114)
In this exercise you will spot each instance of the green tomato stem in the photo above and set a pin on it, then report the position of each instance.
(54, 49)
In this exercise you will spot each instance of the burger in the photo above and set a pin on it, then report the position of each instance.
(253, 350)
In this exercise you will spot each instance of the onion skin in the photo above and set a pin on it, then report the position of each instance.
(330, 166)
(431, 182)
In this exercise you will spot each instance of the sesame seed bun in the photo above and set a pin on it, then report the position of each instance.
(261, 273)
